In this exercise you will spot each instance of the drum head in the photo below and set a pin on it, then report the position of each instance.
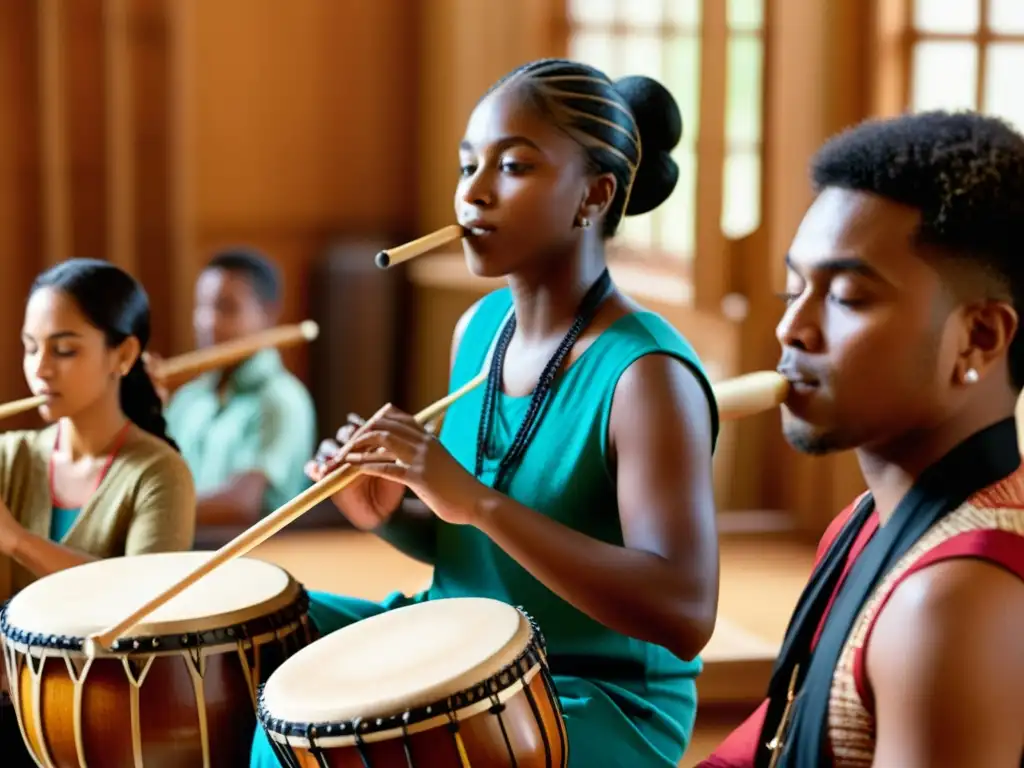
(408, 657)
(89, 598)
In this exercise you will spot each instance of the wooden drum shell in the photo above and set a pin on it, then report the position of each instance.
(480, 735)
(191, 706)
(510, 715)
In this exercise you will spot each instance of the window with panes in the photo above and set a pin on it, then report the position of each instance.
(967, 54)
(664, 39)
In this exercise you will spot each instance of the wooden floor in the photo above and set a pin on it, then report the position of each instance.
(761, 580)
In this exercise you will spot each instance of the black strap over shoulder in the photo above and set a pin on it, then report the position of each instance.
(983, 459)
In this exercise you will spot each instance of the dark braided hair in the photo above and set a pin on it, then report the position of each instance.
(626, 128)
(117, 305)
(964, 173)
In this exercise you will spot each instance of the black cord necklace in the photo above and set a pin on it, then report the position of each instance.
(584, 315)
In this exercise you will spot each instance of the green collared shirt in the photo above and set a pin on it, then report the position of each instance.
(265, 422)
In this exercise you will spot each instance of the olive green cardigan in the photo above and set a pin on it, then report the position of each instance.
(146, 502)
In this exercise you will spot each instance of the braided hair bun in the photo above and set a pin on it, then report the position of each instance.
(660, 124)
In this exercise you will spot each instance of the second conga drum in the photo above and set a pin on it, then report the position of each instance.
(180, 691)
(454, 683)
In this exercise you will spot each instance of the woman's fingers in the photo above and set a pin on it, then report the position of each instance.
(411, 432)
(327, 449)
(388, 435)
(376, 440)
(381, 455)
(313, 470)
(346, 431)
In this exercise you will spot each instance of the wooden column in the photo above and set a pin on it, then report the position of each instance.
(53, 158)
(712, 263)
(181, 154)
(119, 135)
(817, 83)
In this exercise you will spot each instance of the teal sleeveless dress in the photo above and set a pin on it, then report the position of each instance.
(626, 702)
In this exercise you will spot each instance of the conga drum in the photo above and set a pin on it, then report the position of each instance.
(450, 683)
(180, 691)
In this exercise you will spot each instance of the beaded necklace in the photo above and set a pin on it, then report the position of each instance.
(584, 315)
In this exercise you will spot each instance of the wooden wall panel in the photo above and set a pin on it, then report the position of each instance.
(20, 188)
(151, 128)
(303, 114)
(55, 203)
(83, 44)
(304, 121)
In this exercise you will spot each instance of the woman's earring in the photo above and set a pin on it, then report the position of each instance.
(971, 376)
(585, 222)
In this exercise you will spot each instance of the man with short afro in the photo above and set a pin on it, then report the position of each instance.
(901, 341)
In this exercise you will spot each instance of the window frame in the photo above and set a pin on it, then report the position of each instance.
(896, 37)
(708, 269)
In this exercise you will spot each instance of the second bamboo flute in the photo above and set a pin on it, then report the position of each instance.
(201, 360)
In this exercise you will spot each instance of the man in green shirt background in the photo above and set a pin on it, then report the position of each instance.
(245, 431)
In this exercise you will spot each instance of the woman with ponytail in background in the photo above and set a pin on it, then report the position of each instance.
(103, 479)
(577, 483)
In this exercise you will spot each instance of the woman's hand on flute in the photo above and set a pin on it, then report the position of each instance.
(369, 501)
(397, 449)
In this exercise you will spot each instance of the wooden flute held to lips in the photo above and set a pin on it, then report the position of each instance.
(750, 394)
(739, 397)
(15, 407)
(192, 364)
(418, 247)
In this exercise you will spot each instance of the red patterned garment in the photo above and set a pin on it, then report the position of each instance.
(989, 526)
